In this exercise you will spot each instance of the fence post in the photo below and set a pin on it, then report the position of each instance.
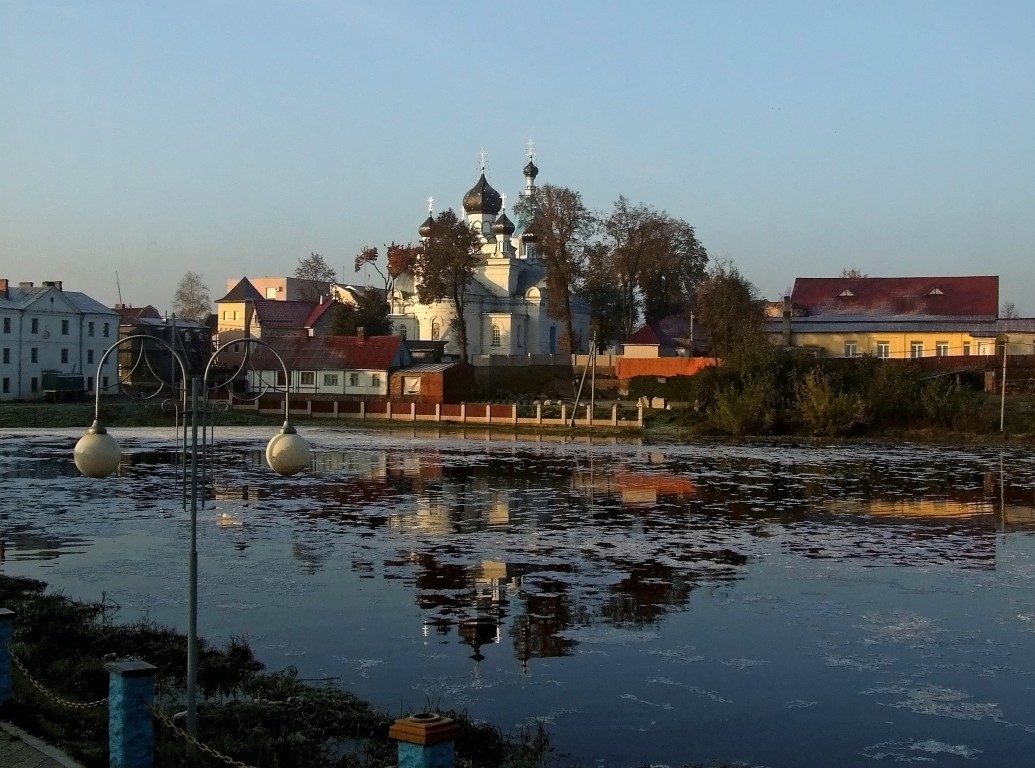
(639, 415)
(614, 415)
(425, 740)
(538, 413)
(6, 634)
(131, 738)
(463, 413)
(413, 411)
(589, 415)
(362, 409)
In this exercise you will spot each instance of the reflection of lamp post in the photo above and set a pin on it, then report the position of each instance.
(97, 454)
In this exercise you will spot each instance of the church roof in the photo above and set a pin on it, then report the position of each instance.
(482, 198)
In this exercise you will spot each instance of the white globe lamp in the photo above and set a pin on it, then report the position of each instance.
(97, 454)
(288, 452)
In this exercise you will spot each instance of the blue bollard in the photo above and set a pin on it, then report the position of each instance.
(6, 634)
(131, 738)
(425, 740)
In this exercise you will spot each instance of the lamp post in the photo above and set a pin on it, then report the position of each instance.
(97, 454)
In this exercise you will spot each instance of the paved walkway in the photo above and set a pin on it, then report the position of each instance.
(20, 750)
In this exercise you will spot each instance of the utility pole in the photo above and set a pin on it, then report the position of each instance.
(1002, 391)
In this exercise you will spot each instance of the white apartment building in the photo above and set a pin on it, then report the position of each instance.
(45, 329)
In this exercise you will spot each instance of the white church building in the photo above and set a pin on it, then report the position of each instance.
(506, 301)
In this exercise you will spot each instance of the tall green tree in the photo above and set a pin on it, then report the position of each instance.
(192, 300)
(565, 229)
(445, 269)
(319, 273)
(730, 308)
(656, 260)
(669, 279)
(603, 296)
(370, 312)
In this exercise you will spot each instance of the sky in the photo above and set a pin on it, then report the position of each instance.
(141, 140)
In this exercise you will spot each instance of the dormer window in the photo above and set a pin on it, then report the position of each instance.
(936, 292)
(845, 294)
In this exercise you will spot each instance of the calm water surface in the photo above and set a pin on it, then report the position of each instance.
(775, 605)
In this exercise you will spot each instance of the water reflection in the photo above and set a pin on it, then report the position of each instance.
(529, 553)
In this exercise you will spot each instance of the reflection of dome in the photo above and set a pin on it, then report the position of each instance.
(425, 228)
(503, 226)
(531, 171)
(477, 632)
(483, 198)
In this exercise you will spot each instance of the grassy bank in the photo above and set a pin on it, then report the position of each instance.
(262, 718)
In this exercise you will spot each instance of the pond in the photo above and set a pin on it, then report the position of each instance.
(777, 605)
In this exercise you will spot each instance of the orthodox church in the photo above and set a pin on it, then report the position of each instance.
(506, 300)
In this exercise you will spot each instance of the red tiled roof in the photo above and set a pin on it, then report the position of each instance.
(132, 314)
(322, 353)
(289, 314)
(318, 311)
(669, 331)
(891, 296)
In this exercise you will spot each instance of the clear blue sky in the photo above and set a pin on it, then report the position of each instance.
(234, 138)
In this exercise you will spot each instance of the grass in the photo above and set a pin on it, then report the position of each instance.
(262, 718)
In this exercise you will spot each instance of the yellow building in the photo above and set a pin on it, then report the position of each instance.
(898, 317)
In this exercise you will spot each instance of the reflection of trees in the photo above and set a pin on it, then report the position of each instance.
(547, 612)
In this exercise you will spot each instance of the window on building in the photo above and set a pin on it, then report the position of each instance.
(941, 348)
(64, 327)
(271, 293)
(89, 383)
(411, 385)
(34, 355)
(7, 385)
(104, 382)
(966, 347)
(883, 350)
(64, 357)
(106, 331)
(280, 379)
(307, 378)
(7, 325)
(235, 314)
(495, 335)
(35, 325)
(89, 328)
(7, 354)
(851, 349)
(916, 349)
(330, 379)
(375, 379)
(1001, 349)
(436, 330)
(34, 384)
(89, 356)
(353, 379)
(402, 332)
(518, 336)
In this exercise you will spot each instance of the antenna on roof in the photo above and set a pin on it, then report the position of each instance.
(117, 286)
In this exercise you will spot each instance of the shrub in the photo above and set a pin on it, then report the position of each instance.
(825, 409)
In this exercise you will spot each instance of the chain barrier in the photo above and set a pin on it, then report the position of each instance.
(166, 721)
(50, 695)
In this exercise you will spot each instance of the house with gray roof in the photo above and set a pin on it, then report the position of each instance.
(48, 335)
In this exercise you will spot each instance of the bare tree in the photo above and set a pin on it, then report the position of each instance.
(1008, 310)
(319, 273)
(446, 267)
(192, 300)
(851, 272)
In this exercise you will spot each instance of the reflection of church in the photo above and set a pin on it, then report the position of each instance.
(507, 298)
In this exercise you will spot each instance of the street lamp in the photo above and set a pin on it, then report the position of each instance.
(97, 454)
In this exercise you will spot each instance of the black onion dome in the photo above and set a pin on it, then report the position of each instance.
(529, 236)
(503, 226)
(483, 198)
(425, 228)
(531, 171)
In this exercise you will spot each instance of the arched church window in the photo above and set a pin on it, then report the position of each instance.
(402, 332)
(495, 335)
(436, 330)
